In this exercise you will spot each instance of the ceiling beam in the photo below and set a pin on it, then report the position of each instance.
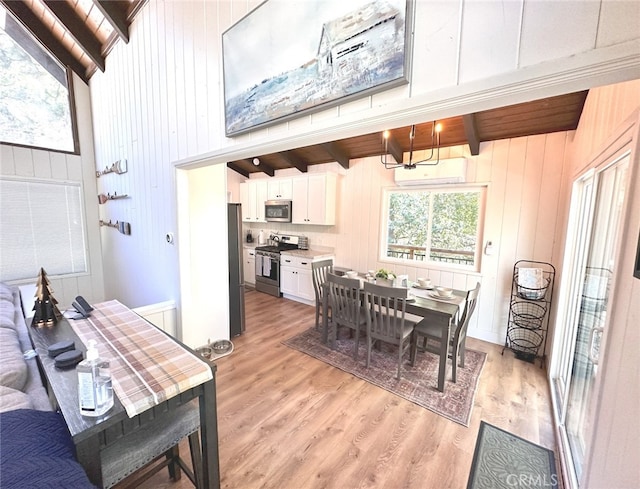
(116, 13)
(394, 148)
(75, 26)
(231, 165)
(34, 25)
(292, 159)
(471, 131)
(336, 152)
(263, 167)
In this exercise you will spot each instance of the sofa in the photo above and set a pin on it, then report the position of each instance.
(36, 449)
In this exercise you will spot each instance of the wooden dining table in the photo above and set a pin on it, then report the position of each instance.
(436, 311)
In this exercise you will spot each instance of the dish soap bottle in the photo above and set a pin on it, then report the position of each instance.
(95, 392)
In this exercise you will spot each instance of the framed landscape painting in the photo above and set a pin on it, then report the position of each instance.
(289, 57)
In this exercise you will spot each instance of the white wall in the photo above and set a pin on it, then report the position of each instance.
(202, 240)
(50, 165)
(160, 101)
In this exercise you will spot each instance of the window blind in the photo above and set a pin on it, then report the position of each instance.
(41, 225)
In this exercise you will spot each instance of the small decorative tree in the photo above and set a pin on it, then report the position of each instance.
(46, 310)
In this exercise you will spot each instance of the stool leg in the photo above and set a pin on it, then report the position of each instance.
(173, 455)
(196, 458)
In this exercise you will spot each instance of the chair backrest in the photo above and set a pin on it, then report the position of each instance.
(469, 306)
(344, 298)
(319, 270)
(386, 311)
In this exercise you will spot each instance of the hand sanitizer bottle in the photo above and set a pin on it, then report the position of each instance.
(95, 392)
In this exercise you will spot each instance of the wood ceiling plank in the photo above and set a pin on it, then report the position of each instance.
(116, 13)
(78, 30)
(43, 34)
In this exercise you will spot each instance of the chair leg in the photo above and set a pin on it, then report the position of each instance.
(462, 349)
(454, 363)
(399, 359)
(317, 315)
(355, 349)
(414, 348)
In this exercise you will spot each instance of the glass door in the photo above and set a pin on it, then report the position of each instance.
(596, 217)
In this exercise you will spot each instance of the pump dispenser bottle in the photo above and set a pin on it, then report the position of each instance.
(95, 392)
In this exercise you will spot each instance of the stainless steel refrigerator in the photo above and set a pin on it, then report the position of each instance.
(236, 272)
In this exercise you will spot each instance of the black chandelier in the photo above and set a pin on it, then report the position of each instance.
(436, 128)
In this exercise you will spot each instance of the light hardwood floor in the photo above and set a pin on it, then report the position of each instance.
(287, 420)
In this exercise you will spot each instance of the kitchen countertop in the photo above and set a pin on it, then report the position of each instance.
(314, 254)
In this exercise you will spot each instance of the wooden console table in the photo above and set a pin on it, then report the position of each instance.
(92, 435)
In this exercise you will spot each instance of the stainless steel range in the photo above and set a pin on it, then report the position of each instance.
(268, 263)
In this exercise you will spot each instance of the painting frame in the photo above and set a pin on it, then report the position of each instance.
(342, 51)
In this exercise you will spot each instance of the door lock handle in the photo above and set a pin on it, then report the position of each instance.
(592, 337)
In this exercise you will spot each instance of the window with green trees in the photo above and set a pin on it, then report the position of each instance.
(436, 226)
(35, 106)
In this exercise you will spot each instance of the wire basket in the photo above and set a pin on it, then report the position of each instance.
(528, 315)
(524, 340)
(529, 293)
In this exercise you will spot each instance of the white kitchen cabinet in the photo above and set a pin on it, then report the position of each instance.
(314, 199)
(253, 194)
(279, 189)
(296, 280)
(249, 266)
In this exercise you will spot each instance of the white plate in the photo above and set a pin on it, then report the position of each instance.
(426, 287)
(436, 296)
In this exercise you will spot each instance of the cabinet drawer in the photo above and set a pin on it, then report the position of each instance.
(295, 261)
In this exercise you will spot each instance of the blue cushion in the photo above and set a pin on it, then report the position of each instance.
(36, 451)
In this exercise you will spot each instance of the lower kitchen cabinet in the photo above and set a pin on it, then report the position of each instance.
(249, 266)
(296, 280)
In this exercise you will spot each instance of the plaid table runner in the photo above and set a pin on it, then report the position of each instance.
(147, 366)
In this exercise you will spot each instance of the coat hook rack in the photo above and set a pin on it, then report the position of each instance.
(118, 167)
(102, 198)
(122, 226)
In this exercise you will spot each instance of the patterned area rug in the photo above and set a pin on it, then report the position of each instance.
(503, 460)
(418, 384)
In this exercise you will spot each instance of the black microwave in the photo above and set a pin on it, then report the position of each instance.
(277, 211)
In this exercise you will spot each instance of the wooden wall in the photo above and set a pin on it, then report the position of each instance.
(49, 165)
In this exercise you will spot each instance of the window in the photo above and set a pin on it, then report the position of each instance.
(41, 225)
(35, 105)
(433, 226)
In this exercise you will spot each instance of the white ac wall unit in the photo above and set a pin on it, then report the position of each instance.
(451, 170)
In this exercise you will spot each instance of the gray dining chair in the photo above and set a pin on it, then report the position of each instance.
(457, 342)
(343, 295)
(387, 320)
(319, 270)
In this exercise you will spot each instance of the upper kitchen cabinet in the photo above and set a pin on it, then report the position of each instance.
(279, 189)
(253, 194)
(314, 199)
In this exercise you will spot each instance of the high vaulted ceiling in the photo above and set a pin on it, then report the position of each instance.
(79, 33)
(553, 114)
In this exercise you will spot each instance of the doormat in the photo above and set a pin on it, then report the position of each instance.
(503, 460)
(418, 384)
